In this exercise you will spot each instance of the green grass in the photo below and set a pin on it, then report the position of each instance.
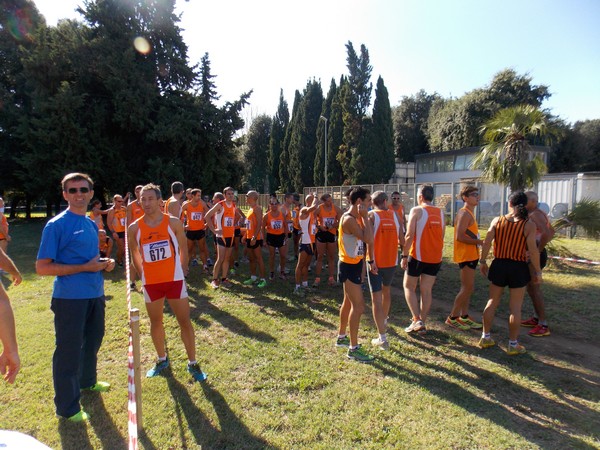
(277, 381)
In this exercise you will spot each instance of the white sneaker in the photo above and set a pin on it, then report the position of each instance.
(417, 325)
(214, 284)
(383, 345)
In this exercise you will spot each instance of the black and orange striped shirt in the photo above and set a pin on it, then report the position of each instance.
(509, 240)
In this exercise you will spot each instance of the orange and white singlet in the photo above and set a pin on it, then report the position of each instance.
(275, 225)
(327, 218)
(194, 216)
(466, 252)
(160, 252)
(386, 228)
(351, 249)
(296, 217)
(309, 229)
(136, 211)
(119, 220)
(97, 219)
(429, 238)
(168, 202)
(225, 219)
(253, 228)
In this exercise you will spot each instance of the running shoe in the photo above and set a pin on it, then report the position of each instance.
(316, 282)
(422, 330)
(214, 284)
(249, 282)
(262, 283)
(81, 416)
(132, 286)
(282, 276)
(342, 342)
(515, 350)
(530, 323)
(383, 345)
(226, 283)
(416, 325)
(298, 292)
(232, 272)
(486, 342)
(194, 262)
(158, 368)
(100, 386)
(272, 276)
(209, 262)
(457, 323)
(196, 372)
(331, 281)
(540, 330)
(358, 354)
(472, 324)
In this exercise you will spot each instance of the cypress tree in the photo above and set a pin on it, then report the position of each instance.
(382, 150)
(285, 181)
(319, 165)
(276, 142)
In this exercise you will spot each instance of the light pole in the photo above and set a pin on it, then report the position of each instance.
(325, 148)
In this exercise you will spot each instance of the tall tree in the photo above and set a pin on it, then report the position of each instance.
(335, 137)
(285, 180)
(258, 138)
(382, 142)
(322, 131)
(410, 125)
(505, 158)
(278, 130)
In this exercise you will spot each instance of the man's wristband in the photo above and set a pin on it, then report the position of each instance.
(404, 256)
(482, 261)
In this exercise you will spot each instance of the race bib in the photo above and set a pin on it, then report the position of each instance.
(248, 225)
(294, 214)
(228, 222)
(290, 227)
(313, 229)
(360, 248)
(156, 251)
(197, 216)
(122, 220)
(277, 224)
(329, 221)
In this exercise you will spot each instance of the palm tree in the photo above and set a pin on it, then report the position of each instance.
(505, 158)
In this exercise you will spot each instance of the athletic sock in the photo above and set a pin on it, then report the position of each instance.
(512, 343)
(191, 363)
(162, 358)
(297, 286)
(305, 284)
(453, 317)
(485, 335)
(543, 323)
(253, 277)
(353, 348)
(383, 337)
(462, 317)
(341, 336)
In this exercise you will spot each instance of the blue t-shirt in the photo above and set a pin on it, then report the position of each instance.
(70, 238)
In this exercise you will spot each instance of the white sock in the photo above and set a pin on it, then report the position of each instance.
(191, 363)
(162, 358)
(305, 283)
(383, 337)
(253, 277)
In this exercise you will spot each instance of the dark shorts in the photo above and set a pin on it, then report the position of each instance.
(296, 232)
(543, 258)
(275, 240)
(237, 232)
(195, 235)
(308, 248)
(384, 277)
(121, 234)
(225, 242)
(417, 268)
(257, 243)
(469, 264)
(350, 272)
(508, 272)
(171, 290)
(325, 237)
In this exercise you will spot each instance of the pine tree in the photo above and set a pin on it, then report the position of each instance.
(319, 165)
(276, 143)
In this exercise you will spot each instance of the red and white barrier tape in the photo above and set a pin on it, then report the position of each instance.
(131, 401)
(582, 261)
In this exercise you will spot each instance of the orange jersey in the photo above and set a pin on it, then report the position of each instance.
(296, 217)
(119, 220)
(327, 218)
(429, 238)
(97, 218)
(351, 249)
(225, 219)
(159, 249)
(5, 223)
(136, 211)
(509, 240)
(103, 246)
(194, 216)
(275, 225)
(386, 229)
(467, 252)
(253, 228)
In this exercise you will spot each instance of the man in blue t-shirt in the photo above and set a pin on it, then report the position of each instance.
(69, 251)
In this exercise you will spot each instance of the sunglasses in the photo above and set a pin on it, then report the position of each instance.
(474, 194)
(82, 190)
(395, 198)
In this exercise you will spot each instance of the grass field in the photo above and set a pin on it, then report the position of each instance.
(277, 381)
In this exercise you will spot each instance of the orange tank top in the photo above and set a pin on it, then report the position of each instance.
(253, 228)
(509, 240)
(467, 252)
(119, 220)
(97, 218)
(428, 242)
(225, 219)
(275, 225)
(327, 218)
(194, 216)
(160, 252)
(5, 223)
(136, 211)
(296, 217)
(351, 249)
(386, 228)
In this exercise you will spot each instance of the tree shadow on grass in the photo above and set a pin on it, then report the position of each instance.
(519, 409)
(100, 420)
(233, 433)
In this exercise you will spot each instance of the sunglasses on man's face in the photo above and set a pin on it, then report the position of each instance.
(82, 190)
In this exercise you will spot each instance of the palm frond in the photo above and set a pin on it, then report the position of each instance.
(585, 214)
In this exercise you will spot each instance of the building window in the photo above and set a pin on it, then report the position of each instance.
(444, 164)
(425, 165)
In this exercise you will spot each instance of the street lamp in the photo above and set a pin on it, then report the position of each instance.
(325, 148)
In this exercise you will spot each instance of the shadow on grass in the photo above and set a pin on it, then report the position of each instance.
(100, 420)
(519, 409)
(233, 433)
(73, 435)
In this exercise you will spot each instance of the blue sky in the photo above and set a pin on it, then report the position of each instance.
(449, 47)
